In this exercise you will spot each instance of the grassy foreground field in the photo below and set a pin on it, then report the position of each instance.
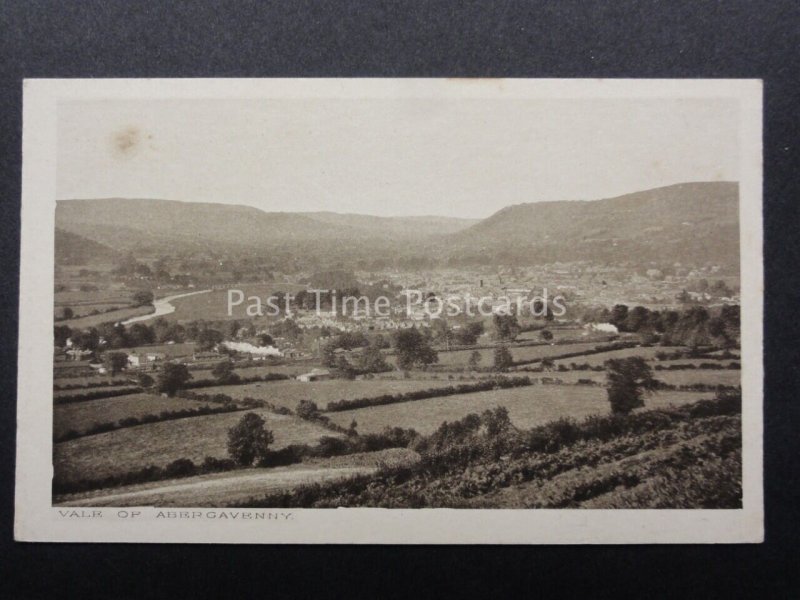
(289, 393)
(527, 406)
(158, 444)
(682, 457)
(222, 489)
(80, 416)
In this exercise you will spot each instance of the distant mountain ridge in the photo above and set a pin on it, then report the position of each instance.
(690, 219)
(114, 220)
(678, 222)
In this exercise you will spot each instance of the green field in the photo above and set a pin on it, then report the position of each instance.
(528, 353)
(648, 353)
(224, 489)
(113, 316)
(213, 306)
(460, 358)
(690, 376)
(94, 379)
(564, 333)
(697, 362)
(570, 376)
(74, 297)
(177, 350)
(262, 369)
(289, 393)
(527, 406)
(80, 416)
(159, 444)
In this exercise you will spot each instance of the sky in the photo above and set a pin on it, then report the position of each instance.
(448, 156)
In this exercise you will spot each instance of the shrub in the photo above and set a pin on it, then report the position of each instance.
(307, 409)
(183, 467)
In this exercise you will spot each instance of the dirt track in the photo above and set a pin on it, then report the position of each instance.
(215, 490)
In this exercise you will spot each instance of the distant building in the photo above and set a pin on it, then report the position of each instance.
(141, 359)
(78, 354)
(604, 327)
(315, 375)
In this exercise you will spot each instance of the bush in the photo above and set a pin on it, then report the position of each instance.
(95, 395)
(183, 467)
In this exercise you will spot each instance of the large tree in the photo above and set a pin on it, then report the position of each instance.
(474, 360)
(502, 358)
(506, 327)
(208, 338)
(142, 298)
(224, 373)
(372, 361)
(249, 440)
(114, 362)
(627, 381)
(413, 349)
(172, 378)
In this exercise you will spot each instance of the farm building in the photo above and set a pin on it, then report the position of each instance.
(145, 358)
(603, 327)
(315, 375)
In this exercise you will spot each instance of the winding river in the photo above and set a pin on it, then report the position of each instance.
(163, 307)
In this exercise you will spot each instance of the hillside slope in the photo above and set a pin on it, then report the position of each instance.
(688, 223)
(682, 222)
(73, 249)
(123, 221)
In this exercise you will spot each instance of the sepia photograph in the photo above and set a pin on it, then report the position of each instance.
(254, 300)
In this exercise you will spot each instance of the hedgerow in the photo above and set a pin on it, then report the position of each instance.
(466, 388)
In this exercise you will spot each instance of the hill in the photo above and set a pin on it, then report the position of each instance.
(123, 220)
(128, 222)
(398, 226)
(681, 222)
(73, 249)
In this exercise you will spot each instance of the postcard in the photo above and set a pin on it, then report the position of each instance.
(392, 311)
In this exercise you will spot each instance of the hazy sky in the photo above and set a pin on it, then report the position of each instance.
(455, 157)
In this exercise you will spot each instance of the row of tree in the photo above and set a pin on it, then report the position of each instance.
(695, 326)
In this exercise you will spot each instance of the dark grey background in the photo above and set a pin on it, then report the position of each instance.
(561, 38)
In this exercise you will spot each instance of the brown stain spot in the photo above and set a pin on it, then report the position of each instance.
(125, 142)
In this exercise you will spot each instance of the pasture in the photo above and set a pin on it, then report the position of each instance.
(213, 306)
(177, 350)
(289, 393)
(133, 448)
(564, 333)
(106, 317)
(80, 416)
(224, 489)
(528, 407)
(648, 353)
(460, 358)
(709, 377)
